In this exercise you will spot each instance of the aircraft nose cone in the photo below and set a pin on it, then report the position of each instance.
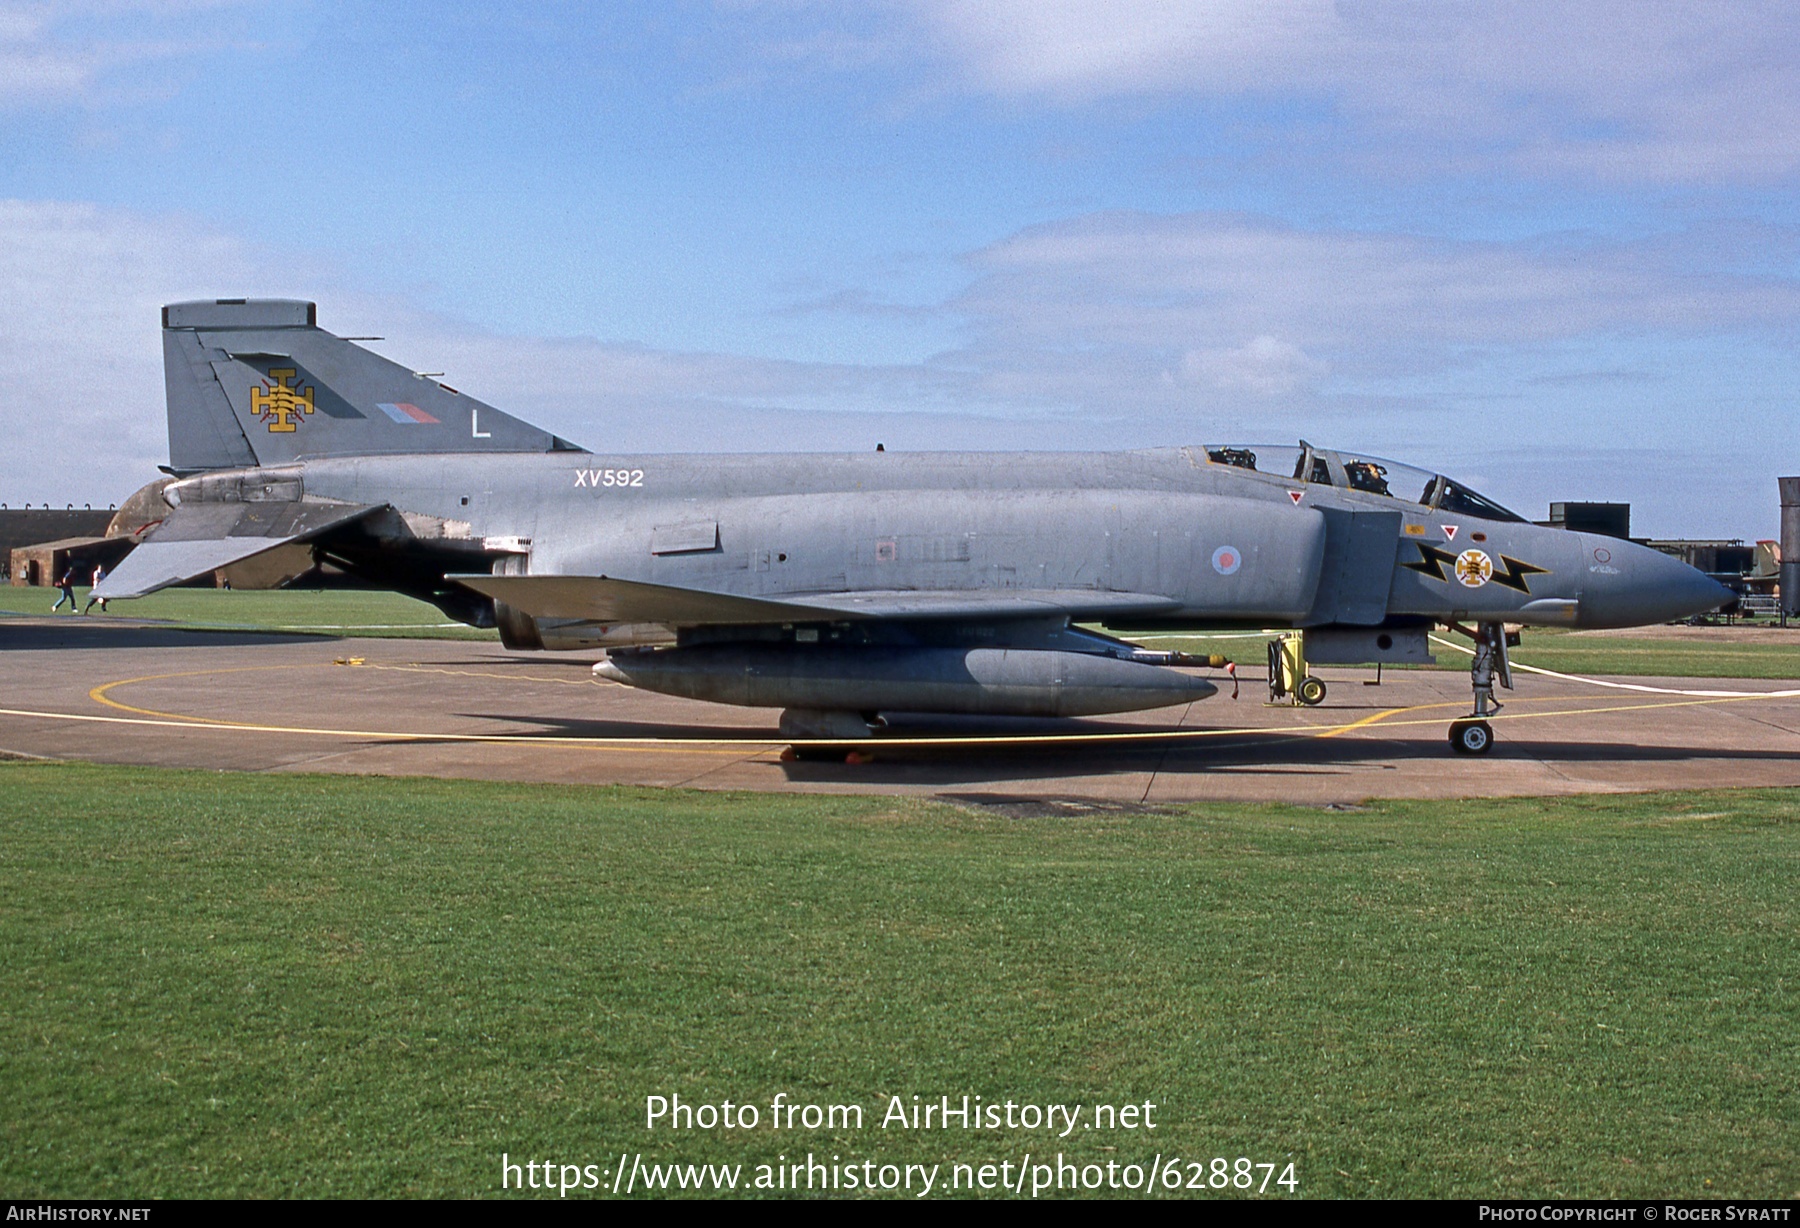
(1637, 586)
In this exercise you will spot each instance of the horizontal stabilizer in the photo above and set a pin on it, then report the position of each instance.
(605, 600)
(203, 537)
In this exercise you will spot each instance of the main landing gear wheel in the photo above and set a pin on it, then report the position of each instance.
(1312, 691)
(1471, 737)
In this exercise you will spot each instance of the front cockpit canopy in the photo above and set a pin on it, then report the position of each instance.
(1368, 474)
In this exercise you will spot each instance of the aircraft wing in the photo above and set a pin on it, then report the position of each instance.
(606, 600)
(203, 537)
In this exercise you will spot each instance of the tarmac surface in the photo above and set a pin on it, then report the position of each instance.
(112, 691)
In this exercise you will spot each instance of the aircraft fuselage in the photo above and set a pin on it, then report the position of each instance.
(1224, 545)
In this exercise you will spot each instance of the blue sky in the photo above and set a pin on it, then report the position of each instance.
(1552, 249)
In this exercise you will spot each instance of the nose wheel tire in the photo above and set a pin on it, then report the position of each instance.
(1312, 691)
(1471, 737)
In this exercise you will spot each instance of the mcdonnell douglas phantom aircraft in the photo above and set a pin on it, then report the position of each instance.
(839, 588)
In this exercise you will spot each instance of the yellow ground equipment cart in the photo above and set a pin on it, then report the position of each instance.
(1289, 682)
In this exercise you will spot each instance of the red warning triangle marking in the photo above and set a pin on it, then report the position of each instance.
(1449, 531)
(1296, 495)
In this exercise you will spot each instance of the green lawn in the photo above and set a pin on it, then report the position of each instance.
(1568, 653)
(318, 611)
(1574, 653)
(218, 984)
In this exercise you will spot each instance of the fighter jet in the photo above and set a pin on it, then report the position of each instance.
(840, 588)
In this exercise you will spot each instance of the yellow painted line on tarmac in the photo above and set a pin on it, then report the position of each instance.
(1387, 715)
(687, 745)
(690, 745)
(99, 694)
(1646, 707)
(1392, 717)
(178, 721)
(1639, 687)
(1526, 716)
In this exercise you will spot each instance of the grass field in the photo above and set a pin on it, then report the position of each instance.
(1574, 653)
(315, 611)
(218, 984)
(1727, 656)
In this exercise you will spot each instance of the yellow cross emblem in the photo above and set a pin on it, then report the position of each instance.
(282, 405)
(1474, 568)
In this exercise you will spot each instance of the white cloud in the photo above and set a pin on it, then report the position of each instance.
(1245, 292)
(1628, 89)
(80, 352)
(81, 390)
(69, 51)
(1082, 49)
(33, 65)
(1265, 365)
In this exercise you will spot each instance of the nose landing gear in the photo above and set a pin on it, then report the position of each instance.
(1472, 735)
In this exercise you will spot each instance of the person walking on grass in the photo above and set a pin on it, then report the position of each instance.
(99, 575)
(67, 585)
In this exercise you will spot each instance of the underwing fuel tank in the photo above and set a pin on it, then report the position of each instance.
(966, 681)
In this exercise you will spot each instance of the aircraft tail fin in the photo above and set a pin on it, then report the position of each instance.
(258, 382)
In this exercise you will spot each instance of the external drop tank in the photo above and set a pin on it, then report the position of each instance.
(965, 681)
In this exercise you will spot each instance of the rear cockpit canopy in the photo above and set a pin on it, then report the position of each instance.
(1368, 474)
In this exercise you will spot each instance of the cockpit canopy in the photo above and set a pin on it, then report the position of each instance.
(1369, 474)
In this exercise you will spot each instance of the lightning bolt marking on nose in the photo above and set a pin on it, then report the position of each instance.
(1430, 562)
(1516, 571)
